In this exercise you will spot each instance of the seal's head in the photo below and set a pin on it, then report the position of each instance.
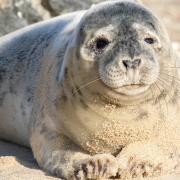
(124, 46)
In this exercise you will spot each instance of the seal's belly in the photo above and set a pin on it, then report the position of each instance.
(14, 118)
(99, 132)
(112, 136)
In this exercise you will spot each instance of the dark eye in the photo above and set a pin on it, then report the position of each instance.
(149, 40)
(101, 43)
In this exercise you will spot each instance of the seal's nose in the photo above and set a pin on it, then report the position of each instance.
(133, 64)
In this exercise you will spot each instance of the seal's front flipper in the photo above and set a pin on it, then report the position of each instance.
(61, 157)
(139, 160)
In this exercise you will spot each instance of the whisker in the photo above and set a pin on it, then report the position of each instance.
(172, 67)
(165, 77)
(167, 110)
(168, 81)
(169, 75)
(159, 104)
(86, 85)
(153, 96)
(163, 83)
(177, 83)
(160, 90)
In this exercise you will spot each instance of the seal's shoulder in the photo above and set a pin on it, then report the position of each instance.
(50, 26)
(38, 36)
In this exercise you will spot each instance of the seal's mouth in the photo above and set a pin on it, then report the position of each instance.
(131, 89)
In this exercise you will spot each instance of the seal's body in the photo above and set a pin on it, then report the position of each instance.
(21, 58)
(93, 93)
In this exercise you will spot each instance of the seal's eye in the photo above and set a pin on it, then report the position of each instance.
(101, 43)
(149, 40)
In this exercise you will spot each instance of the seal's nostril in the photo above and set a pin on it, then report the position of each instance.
(137, 62)
(127, 63)
(131, 64)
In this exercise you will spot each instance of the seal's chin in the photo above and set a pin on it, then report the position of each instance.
(132, 89)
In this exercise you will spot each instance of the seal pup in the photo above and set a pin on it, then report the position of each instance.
(94, 93)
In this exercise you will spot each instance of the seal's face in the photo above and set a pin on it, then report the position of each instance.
(124, 43)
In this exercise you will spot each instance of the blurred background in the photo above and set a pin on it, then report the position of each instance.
(15, 14)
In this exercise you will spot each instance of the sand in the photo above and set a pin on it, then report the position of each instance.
(17, 163)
